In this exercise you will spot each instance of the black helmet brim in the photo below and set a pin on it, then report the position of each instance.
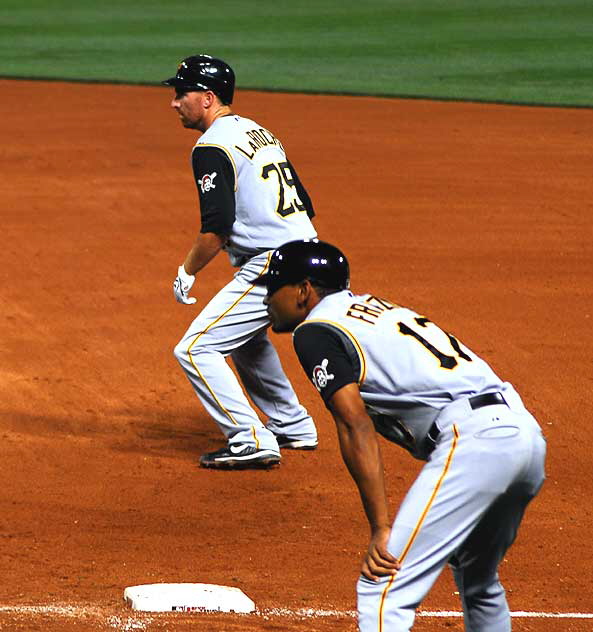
(180, 84)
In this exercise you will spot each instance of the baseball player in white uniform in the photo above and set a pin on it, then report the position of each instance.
(381, 367)
(251, 201)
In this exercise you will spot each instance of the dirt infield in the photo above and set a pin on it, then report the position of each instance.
(477, 216)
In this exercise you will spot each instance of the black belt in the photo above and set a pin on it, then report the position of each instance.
(477, 401)
(487, 399)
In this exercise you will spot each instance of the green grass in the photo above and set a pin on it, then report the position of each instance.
(527, 51)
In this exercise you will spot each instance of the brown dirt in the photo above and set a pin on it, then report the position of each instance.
(478, 216)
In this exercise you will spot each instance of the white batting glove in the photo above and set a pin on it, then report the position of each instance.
(182, 286)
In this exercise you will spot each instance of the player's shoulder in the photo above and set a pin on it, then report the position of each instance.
(333, 306)
(313, 336)
(314, 328)
(320, 343)
(327, 315)
(220, 130)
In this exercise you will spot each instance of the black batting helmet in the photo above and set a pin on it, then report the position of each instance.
(202, 72)
(319, 262)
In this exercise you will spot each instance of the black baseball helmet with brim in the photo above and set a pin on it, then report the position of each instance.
(319, 262)
(203, 72)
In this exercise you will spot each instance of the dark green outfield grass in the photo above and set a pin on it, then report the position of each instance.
(526, 51)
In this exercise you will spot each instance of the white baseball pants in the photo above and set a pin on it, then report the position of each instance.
(234, 323)
(464, 509)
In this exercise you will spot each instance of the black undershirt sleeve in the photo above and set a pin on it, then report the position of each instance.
(302, 192)
(324, 356)
(215, 179)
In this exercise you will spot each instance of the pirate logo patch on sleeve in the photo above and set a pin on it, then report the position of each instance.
(320, 375)
(207, 182)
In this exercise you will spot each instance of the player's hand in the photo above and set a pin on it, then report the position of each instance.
(182, 285)
(378, 560)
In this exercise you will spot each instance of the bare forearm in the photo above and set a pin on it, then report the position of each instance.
(362, 457)
(205, 248)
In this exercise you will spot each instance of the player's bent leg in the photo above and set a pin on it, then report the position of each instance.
(209, 374)
(374, 616)
(475, 566)
(423, 549)
(262, 375)
(475, 563)
(228, 321)
(423, 539)
(485, 608)
(436, 517)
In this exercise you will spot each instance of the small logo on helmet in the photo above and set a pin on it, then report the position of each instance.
(207, 182)
(320, 375)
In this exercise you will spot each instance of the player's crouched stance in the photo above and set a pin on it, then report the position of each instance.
(381, 367)
(251, 201)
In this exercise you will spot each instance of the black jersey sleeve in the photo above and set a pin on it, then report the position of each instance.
(215, 179)
(328, 358)
(302, 192)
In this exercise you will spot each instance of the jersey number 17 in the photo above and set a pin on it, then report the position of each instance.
(446, 361)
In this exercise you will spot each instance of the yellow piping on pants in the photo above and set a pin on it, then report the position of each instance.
(419, 524)
(224, 410)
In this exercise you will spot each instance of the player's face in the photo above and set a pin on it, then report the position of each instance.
(190, 108)
(284, 308)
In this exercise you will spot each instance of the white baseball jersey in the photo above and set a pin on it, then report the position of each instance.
(485, 462)
(406, 367)
(268, 205)
(250, 194)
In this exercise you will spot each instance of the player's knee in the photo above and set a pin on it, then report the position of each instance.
(181, 352)
(374, 612)
(186, 348)
(485, 608)
(479, 590)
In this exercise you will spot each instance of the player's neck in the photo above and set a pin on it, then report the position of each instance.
(223, 110)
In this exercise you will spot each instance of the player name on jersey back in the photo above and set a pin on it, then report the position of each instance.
(257, 139)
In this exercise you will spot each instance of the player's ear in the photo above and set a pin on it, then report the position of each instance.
(301, 293)
(305, 292)
(208, 98)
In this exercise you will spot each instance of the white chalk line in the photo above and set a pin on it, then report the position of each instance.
(78, 610)
(142, 620)
(72, 610)
(313, 613)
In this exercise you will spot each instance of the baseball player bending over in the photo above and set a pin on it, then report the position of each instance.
(382, 367)
(251, 201)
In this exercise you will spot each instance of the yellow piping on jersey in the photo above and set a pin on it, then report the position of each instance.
(267, 264)
(227, 152)
(418, 526)
(357, 346)
(224, 410)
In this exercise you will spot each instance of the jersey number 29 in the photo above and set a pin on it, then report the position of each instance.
(287, 192)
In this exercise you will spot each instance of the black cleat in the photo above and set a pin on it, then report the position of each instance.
(240, 457)
(288, 443)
